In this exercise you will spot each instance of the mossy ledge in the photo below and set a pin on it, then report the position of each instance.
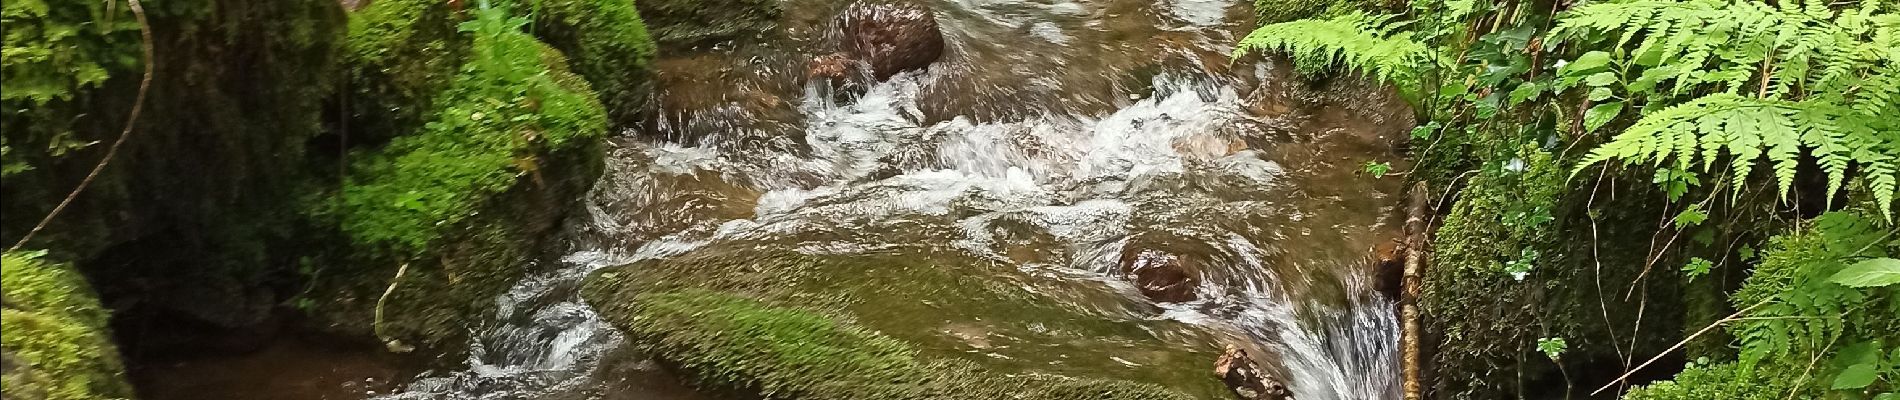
(466, 199)
(767, 320)
(57, 345)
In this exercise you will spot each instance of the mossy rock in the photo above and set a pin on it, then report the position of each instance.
(688, 23)
(605, 40)
(467, 199)
(1483, 322)
(947, 325)
(400, 54)
(56, 343)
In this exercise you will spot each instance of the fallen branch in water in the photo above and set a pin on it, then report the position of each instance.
(1417, 233)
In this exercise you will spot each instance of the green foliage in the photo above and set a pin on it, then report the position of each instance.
(1277, 11)
(1355, 42)
(607, 43)
(1697, 267)
(400, 55)
(54, 52)
(1799, 314)
(54, 329)
(1738, 81)
(1553, 347)
(508, 106)
(789, 353)
(1376, 169)
(1875, 272)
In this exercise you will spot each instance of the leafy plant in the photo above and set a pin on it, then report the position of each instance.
(1740, 81)
(1697, 267)
(1377, 169)
(1356, 42)
(1552, 347)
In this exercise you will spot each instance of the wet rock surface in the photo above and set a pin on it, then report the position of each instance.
(1244, 376)
(1161, 275)
(890, 37)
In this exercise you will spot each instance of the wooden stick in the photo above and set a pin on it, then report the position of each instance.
(1417, 232)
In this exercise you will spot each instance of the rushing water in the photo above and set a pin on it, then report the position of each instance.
(1053, 133)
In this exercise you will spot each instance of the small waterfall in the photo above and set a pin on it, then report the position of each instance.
(1175, 159)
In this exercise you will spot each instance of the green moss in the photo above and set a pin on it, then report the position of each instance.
(1521, 214)
(1723, 381)
(400, 54)
(789, 353)
(54, 333)
(945, 306)
(490, 130)
(464, 198)
(689, 23)
(607, 42)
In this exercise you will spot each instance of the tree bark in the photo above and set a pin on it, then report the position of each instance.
(1417, 234)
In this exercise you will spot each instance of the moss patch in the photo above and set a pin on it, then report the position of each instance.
(607, 42)
(944, 307)
(1515, 262)
(466, 198)
(56, 342)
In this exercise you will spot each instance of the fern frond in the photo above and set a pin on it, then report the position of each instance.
(1355, 42)
(1749, 130)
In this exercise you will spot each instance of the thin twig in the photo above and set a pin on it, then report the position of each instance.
(138, 104)
(1678, 345)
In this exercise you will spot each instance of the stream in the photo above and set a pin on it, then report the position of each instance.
(1057, 135)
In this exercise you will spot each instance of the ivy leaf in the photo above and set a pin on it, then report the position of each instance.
(1855, 377)
(1691, 216)
(1871, 273)
(1601, 115)
(1697, 267)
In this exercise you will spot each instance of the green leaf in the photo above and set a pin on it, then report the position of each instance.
(1601, 115)
(1888, 396)
(1870, 273)
(1599, 94)
(1591, 62)
(1691, 216)
(1855, 377)
(1600, 79)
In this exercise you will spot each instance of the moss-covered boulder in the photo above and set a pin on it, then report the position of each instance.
(606, 41)
(459, 205)
(54, 342)
(690, 23)
(766, 319)
(1501, 278)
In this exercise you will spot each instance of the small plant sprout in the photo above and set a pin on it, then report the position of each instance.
(1552, 347)
(1377, 169)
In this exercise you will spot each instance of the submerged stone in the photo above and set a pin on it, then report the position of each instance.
(906, 324)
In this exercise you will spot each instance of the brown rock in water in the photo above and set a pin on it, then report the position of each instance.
(1162, 276)
(837, 68)
(891, 37)
(1246, 379)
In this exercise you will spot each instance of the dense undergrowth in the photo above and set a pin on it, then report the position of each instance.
(1747, 154)
(291, 157)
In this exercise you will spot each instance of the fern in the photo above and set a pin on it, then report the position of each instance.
(1747, 80)
(1356, 42)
